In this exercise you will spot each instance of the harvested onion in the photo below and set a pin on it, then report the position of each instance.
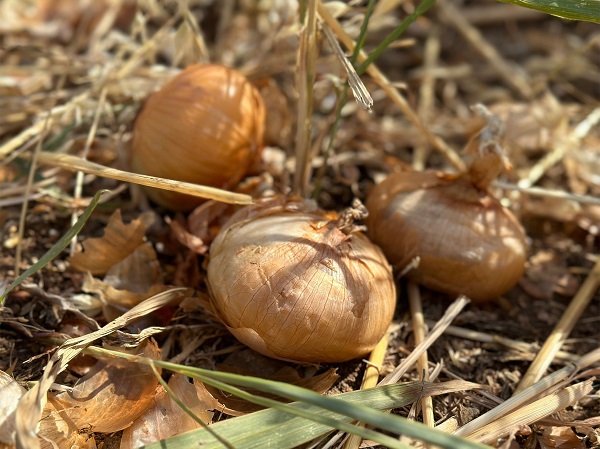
(204, 126)
(295, 283)
(466, 241)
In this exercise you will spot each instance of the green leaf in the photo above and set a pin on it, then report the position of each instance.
(278, 429)
(395, 34)
(56, 249)
(588, 10)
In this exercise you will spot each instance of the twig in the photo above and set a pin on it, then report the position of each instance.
(370, 379)
(426, 99)
(392, 92)
(562, 330)
(503, 342)
(451, 313)
(560, 149)
(473, 36)
(539, 191)
(529, 393)
(88, 143)
(420, 331)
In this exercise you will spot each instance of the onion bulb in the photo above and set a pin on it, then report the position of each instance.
(205, 126)
(466, 241)
(295, 283)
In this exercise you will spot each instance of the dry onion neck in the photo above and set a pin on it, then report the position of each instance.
(346, 222)
(488, 157)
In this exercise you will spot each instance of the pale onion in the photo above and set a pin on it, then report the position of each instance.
(204, 126)
(466, 241)
(291, 284)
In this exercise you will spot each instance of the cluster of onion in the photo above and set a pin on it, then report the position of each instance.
(289, 280)
(292, 281)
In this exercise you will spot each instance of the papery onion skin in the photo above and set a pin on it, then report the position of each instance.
(291, 285)
(204, 126)
(467, 242)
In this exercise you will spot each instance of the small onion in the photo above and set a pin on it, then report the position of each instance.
(205, 126)
(466, 241)
(290, 283)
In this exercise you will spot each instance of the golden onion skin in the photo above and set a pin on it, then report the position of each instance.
(291, 285)
(467, 242)
(204, 126)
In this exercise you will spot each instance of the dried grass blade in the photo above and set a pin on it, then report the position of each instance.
(562, 330)
(307, 56)
(361, 94)
(14, 143)
(539, 388)
(542, 192)
(88, 144)
(532, 412)
(420, 333)
(370, 380)
(512, 77)
(451, 313)
(396, 33)
(75, 163)
(561, 148)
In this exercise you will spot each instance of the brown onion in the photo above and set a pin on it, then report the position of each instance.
(292, 282)
(204, 126)
(467, 242)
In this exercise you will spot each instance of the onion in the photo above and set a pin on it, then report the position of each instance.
(204, 126)
(295, 283)
(466, 241)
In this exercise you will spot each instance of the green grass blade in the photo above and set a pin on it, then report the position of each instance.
(320, 408)
(395, 34)
(360, 42)
(275, 428)
(325, 406)
(57, 248)
(375, 418)
(57, 141)
(588, 10)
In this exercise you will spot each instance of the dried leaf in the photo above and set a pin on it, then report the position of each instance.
(547, 274)
(109, 398)
(57, 430)
(560, 438)
(119, 241)
(118, 298)
(250, 363)
(30, 408)
(205, 221)
(138, 272)
(166, 418)
(187, 239)
(10, 394)
(130, 281)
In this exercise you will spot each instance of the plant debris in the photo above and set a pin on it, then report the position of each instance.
(75, 74)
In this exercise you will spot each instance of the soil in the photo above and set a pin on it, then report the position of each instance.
(556, 57)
